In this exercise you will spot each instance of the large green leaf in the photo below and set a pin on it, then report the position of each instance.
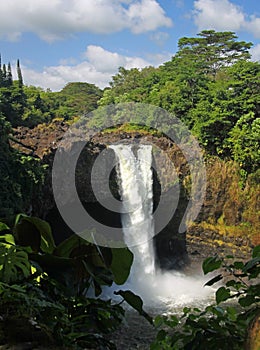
(27, 235)
(102, 256)
(47, 241)
(18, 218)
(65, 248)
(34, 232)
(135, 301)
(247, 300)
(13, 263)
(251, 263)
(50, 262)
(3, 227)
(118, 260)
(256, 251)
(211, 264)
(7, 239)
(122, 259)
(222, 294)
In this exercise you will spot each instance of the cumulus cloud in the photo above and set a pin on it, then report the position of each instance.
(218, 14)
(97, 68)
(253, 26)
(255, 52)
(224, 15)
(107, 61)
(56, 19)
(146, 15)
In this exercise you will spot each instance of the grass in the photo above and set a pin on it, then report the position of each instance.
(129, 128)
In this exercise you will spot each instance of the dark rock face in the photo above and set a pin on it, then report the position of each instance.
(62, 231)
(170, 245)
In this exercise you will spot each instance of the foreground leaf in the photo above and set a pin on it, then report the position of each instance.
(13, 263)
(222, 294)
(135, 301)
(214, 280)
(211, 264)
(256, 251)
(122, 259)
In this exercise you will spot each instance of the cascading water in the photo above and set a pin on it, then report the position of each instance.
(135, 180)
(136, 190)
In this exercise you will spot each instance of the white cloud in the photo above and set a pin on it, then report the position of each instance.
(107, 61)
(224, 15)
(218, 14)
(56, 77)
(103, 60)
(56, 19)
(253, 26)
(97, 68)
(147, 15)
(255, 52)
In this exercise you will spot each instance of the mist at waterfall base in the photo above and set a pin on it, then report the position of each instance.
(156, 288)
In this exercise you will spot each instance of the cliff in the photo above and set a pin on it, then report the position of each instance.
(227, 223)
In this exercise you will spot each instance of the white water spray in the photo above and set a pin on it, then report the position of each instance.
(135, 180)
(136, 190)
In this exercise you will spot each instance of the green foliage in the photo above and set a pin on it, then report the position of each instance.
(79, 98)
(48, 285)
(13, 262)
(245, 141)
(210, 264)
(121, 271)
(12, 98)
(214, 50)
(35, 233)
(21, 175)
(222, 325)
(210, 85)
(136, 302)
(30, 106)
(73, 100)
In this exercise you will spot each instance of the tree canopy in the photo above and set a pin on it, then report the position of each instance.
(213, 50)
(210, 84)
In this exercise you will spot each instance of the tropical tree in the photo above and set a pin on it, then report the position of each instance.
(214, 50)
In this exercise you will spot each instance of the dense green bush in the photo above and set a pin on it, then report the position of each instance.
(44, 288)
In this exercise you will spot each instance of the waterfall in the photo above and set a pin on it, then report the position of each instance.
(135, 180)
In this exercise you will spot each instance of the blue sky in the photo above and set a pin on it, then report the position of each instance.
(59, 41)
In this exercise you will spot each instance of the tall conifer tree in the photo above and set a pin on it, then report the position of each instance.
(9, 76)
(19, 74)
(4, 72)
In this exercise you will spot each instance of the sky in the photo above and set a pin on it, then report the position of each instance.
(62, 41)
